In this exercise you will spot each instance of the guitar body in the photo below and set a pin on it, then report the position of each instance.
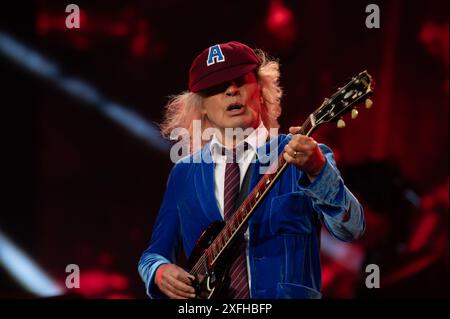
(212, 283)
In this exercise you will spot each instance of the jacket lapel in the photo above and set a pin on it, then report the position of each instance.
(204, 184)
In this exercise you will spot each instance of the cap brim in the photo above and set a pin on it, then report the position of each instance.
(222, 76)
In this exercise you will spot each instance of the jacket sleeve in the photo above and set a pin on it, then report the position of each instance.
(339, 209)
(165, 238)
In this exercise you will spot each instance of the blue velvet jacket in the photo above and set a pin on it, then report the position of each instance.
(284, 232)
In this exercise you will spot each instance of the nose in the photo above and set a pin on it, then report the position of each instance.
(232, 90)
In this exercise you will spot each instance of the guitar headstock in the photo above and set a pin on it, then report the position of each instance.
(345, 100)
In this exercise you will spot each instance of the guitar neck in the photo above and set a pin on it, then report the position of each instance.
(249, 205)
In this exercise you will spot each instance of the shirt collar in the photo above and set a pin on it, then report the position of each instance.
(255, 140)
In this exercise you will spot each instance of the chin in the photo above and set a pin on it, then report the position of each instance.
(241, 124)
(244, 120)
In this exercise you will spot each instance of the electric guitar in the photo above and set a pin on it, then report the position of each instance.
(208, 262)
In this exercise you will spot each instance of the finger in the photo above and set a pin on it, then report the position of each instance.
(185, 277)
(288, 149)
(182, 283)
(302, 146)
(298, 141)
(168, 291)
(183, 287)
(178, 294)
(176, 272)
(294, 129)
(304, 149)
(289, 158)
(302, 139)
(296, 153)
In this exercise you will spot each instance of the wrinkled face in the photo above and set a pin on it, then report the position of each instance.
(234, 104)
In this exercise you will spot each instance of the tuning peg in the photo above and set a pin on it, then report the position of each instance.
(341, 123)
(369, 103)
(354, 113)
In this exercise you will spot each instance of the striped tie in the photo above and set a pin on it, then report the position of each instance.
(238, 288)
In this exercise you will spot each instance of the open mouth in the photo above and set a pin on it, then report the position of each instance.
(235, 107)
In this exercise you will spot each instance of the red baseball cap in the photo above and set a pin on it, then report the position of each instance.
(221, 63)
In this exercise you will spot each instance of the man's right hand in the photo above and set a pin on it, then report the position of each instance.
(174, 282)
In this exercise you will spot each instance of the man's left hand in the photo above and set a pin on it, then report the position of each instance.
(303, 152)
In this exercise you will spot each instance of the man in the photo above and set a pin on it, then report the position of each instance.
(233, 87)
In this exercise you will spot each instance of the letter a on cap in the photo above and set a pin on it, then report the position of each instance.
(215, 55)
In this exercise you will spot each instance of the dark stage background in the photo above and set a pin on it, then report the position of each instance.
(81, 186)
